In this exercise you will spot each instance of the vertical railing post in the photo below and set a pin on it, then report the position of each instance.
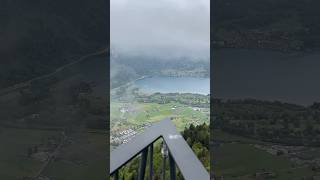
(116, 175)
(164, 152)
(143, 163)
(172, 168)
(164, 168)
(151, 162)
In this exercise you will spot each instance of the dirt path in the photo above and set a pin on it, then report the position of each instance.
(51, 156)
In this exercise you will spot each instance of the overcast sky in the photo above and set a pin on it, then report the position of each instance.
(161, 27)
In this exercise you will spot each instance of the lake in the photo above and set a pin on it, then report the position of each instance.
(174, 85)
(267, 75)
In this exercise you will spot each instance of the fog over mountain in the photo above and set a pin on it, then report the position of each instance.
(162, 28)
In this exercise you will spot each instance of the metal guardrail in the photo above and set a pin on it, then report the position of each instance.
(179, 153)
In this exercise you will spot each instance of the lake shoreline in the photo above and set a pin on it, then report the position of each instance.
(168, 84)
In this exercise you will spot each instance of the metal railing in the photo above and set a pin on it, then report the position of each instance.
(174, 147)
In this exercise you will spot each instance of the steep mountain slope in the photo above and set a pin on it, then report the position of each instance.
(39, 36)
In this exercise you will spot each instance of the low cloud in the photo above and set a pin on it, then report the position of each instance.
(161, 28)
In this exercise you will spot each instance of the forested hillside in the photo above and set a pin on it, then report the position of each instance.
(269, 121)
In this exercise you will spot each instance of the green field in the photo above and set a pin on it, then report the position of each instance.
(14, 162)
(240, 160)
(83, 157)
(152, 112)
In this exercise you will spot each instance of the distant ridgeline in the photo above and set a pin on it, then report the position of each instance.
(269, 121)
(125, 69)
(283, 25)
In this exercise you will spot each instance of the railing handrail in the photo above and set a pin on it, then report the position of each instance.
(189, 165)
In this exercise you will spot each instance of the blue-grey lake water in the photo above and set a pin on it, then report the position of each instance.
(174, 85)
(267, 75)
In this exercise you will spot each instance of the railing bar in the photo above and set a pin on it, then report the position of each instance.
(164, 159)
(172, 168)
(180, 152)
(151, 162)
(116, 175)
(143, 163)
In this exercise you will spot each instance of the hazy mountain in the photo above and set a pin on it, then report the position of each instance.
(269, 24)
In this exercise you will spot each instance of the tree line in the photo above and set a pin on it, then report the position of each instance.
(269, 121)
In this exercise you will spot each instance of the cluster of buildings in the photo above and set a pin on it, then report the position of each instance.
(299, 155)
(196, 109)
(123, 137)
